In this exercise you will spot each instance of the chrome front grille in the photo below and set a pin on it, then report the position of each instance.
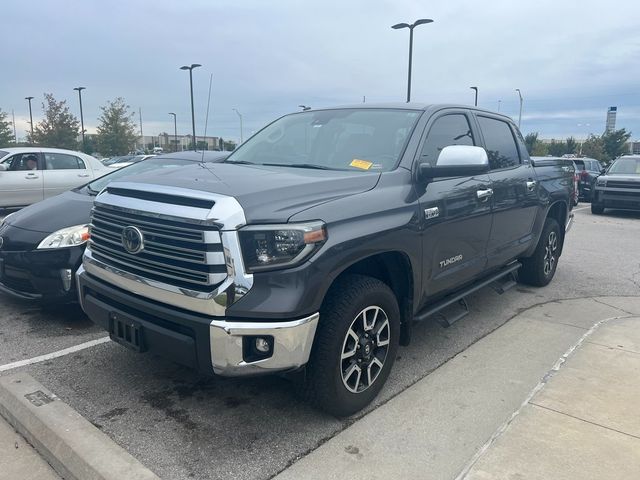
(623, 184)
(182, 254)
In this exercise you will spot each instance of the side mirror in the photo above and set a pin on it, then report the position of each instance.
(456, 161)
(4, 167)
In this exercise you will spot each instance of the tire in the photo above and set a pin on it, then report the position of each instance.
(597, 209)
(332, 382)
(538, 269)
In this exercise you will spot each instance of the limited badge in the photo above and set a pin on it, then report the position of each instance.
(362, 164)
(431, 212)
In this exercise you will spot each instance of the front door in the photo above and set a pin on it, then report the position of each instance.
(21, 183)
(456, 212)
(515, 191)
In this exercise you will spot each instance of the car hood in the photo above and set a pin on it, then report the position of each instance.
(65, 210)
(267, 194)
(622, 177)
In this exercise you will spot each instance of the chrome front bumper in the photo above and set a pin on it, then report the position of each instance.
(292, 343)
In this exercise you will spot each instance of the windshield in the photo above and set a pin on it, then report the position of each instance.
(3, 153)
(628, 166)
(113, 160)
(140, 167)
(344, 139)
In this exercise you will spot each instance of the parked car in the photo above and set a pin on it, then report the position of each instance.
(320, 240)
(570, 162)
(619, 186)
(118, 159)
(31, 174)
(41, 245)
(588, 169)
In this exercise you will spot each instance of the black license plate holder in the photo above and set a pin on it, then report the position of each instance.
(126, 332)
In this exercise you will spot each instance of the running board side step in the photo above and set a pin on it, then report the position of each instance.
(501, 281)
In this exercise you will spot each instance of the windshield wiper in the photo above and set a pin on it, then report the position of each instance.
(239, 162)
(299, 165)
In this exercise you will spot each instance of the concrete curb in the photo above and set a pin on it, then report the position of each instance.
(72, 445)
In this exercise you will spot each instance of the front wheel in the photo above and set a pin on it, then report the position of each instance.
(355, 345)
(539, 268)
(597, 209)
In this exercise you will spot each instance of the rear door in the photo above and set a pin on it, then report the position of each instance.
(515, 190)
(456, 220)
(63, 172)
(20, 186)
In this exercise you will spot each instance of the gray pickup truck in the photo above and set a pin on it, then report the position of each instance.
(319, 242)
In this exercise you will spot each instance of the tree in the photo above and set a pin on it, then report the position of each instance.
(540, 149)
(117, 133)
(6, 132)
(557, 149)
(613, 143)
(59, 128)
(530, 140)
(571, 145)
(593, 147)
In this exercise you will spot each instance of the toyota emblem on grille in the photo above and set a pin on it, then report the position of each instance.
(132, 240)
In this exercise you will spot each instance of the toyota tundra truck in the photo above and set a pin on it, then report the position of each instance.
(320, 241)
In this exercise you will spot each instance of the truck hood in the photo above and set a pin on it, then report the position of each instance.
(625, 177)
(267, 194)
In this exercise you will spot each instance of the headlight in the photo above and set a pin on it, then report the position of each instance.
(3, 220)
(601, 182)
(67, 237)
(270, 247)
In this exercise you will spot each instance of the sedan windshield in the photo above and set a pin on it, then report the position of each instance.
(152, 164)
(343, 139)
(628, 166)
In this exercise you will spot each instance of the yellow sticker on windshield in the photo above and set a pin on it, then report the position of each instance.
(363, 164)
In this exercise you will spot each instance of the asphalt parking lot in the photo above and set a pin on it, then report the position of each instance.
(182, 425)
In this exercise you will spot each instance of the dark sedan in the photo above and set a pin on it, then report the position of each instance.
(619, 186)
(41, 245)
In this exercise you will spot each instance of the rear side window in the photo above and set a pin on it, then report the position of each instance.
(62, 161)
(453, 129)
(499, 142)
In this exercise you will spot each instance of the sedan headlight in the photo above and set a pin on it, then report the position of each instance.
(271, 247)
(67, 237)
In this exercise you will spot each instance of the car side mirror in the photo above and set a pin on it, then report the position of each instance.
(4, 167)
(456, 161)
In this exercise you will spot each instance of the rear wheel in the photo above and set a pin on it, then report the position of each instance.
(539, 268)
(597, 209)
(355, 345)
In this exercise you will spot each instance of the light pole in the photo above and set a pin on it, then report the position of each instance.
(240, 117)
(79, 89)
(411, 27)
(520, 114)
(175, 131)
(476, 89)
(193, 115)
(30, 116)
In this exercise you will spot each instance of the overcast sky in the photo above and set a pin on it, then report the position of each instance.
(571, 59)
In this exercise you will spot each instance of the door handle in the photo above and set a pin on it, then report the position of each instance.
(484, 194)
(83, 174)
(31, 176)
(531, 185)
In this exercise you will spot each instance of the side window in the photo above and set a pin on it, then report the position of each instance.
(499, 142)
(453, 129)
(21, 161)
(62, 161)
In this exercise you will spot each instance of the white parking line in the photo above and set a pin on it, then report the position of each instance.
(49, 356)
(581, 208)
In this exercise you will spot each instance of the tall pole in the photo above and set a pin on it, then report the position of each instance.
(193, 115)
(30, 116)
(476, 100)
(411, 27)
(175, 131)
(520, 114)
(79, 89)
(15, 135)
(240, 116)
(141, 135)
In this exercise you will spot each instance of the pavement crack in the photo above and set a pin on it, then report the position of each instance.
(612, 306)
(584, 420)
(614, 348)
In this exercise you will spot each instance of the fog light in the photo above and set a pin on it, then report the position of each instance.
(262, 345)
(66, 276)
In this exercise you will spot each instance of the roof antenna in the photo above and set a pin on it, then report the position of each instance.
(206, 120)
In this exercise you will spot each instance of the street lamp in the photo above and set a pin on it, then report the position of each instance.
(520, 114)
(175, 131)
(193, 115)
(240, 117)
(411, 27)
(30, 116)
(79, 89)
(476, 89)
(304, 108)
